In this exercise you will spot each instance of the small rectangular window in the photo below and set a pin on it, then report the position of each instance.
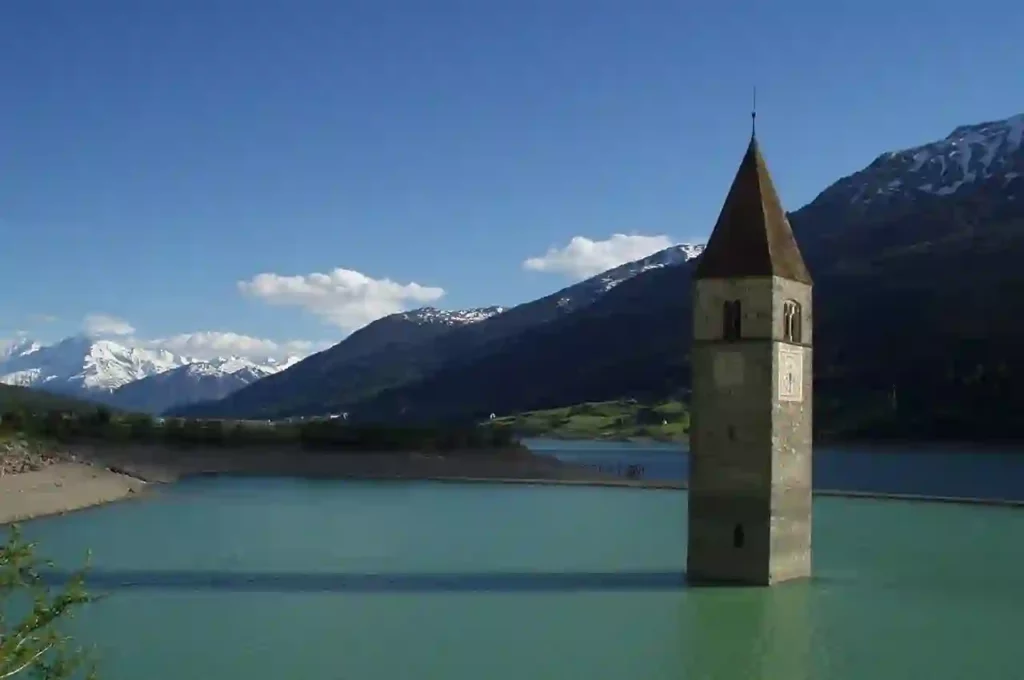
(732, 315)
(737, 536)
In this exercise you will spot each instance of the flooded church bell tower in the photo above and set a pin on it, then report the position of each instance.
(750, 439)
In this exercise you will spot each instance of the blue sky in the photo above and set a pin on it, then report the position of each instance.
(157, 157)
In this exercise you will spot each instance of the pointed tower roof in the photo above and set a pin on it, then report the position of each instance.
(752, 236)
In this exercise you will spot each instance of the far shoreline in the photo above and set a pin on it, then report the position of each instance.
(104, 474)
(863, 445)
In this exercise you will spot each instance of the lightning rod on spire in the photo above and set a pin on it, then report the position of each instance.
(753, 114)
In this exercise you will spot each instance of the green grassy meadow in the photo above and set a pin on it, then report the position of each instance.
(614, 420)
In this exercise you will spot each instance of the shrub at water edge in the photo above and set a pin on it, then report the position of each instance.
(31, 644)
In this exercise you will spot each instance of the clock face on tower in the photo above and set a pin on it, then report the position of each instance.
(791, 373)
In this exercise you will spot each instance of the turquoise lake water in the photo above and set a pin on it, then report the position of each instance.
(256, 579)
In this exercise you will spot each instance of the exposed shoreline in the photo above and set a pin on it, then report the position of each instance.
(96, 475)
(89, 475)
(61, 488)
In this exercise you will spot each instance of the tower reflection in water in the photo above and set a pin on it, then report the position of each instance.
(750, 633)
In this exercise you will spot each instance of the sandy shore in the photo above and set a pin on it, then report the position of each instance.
(60, 488)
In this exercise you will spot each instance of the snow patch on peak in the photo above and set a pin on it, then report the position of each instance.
(20, 347)
(588, 291)
(963, 161)
(288, 362)
(970, 154)
(107, 365)
(445, 317)
(232, 365)
(218, 366)
(673, 255)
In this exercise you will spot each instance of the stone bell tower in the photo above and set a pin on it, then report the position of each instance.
(750, 440)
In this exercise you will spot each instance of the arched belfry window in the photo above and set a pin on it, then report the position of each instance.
(791, 322)
(732, 315)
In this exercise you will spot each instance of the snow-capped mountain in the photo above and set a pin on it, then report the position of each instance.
(235, 366)
(587, 291)
(970, 158)
(404, 329)
(417, 342)
(395, 335)
(880, 262)
(20, 347)
(901, 205)
(82, 365)
(101, 369)
(194, 382)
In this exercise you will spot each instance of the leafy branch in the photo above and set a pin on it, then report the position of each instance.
(32, 646)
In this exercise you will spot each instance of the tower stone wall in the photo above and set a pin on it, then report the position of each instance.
(750, 440)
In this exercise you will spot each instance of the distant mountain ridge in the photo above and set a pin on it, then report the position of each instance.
(81, 364)
(593, 288)
(364, 363)
(117, 374)
(913, 259)
(969, 154)
(198, 381)
(973, 160)
(154, 380)
(916, 332)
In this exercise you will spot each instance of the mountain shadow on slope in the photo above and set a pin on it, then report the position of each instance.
(183, 385)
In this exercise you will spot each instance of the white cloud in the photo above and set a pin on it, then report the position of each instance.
(210, 344)
(104, 324)
(583, 258)
(42, 318)
(344, 298)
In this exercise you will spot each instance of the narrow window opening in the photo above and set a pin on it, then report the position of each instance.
(791, 322)
(732, 315)
(737, 536)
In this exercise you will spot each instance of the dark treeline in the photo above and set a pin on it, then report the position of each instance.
(325, 435)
